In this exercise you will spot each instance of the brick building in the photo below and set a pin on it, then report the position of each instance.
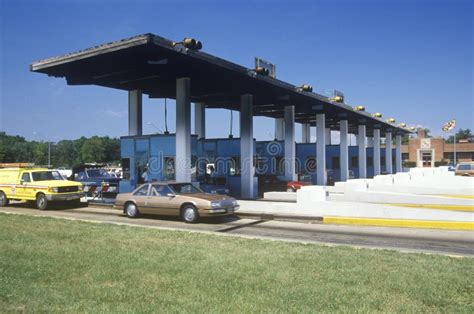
(426, 151)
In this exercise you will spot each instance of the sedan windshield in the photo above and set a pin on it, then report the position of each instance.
(97, 173)
(46, 175)
(185, 188)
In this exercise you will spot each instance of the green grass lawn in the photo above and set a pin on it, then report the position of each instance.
(58, 265)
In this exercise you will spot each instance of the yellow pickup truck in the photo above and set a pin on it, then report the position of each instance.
(36, 184)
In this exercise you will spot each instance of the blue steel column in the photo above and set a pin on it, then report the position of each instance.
(290, 149)
(388, 152)
(327, 135)
(361, 142)
(200, 120)
(305, 133)
(321, 149)
(376, 152)
(183, 130)
(398, 153)
(279, 129)
(246, 147)
(135, 115)
(344, 150)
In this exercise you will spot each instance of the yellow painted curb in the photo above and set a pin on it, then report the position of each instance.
(466, 208)
(404, 223)
(470, 197)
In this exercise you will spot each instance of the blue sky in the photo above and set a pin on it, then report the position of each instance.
(412, 60)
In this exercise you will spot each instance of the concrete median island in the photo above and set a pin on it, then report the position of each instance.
(420, 198)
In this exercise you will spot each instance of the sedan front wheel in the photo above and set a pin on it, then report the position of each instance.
(190, 214)
(131, 210)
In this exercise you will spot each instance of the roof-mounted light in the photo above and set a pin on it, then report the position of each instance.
(402, 125)
(305, 88)
(190, 43)
(339, 99)
(359, 108)
(377, 115)
(412, 128)
(391, 120)
(262, 71)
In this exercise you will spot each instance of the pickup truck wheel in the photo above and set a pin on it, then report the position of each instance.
(4, 201)
(41, 202)
(189, 214)
(131, 210)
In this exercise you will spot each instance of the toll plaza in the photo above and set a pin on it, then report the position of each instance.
(160, 68)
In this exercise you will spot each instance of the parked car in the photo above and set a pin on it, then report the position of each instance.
(96, 180)
(65, 172)
(175, 199)
(465, 169)
(214, 185)
(36, 184)
(293, 186)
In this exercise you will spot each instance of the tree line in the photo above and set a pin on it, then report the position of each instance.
(65, 153)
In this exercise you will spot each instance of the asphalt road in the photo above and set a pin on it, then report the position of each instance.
(448, 242)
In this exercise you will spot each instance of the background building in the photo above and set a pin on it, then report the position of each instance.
(427, 151)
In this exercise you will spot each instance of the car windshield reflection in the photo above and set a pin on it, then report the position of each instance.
(97, 173)
(46, 176)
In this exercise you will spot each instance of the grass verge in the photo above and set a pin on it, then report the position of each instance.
(57, 265)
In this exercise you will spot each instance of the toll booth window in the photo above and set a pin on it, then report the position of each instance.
(279, 165)
(126, 168)
(297, 166)
(234, 166)
(26, 177)
(370, 162)
(354, 162)
(382, 160)
(310, 165)
(335, 163)
(194, 162)
(169, 167)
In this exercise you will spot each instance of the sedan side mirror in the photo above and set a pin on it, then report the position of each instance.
(170, 195)
(22, 181)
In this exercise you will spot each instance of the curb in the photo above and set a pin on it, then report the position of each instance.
(338, 220)
(400, 223)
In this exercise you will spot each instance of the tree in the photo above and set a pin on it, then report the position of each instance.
(93, 150)
(65, 153)
(427, 131)
(462, 134)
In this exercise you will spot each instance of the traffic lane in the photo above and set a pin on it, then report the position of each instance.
(403, 239)
(116, 216)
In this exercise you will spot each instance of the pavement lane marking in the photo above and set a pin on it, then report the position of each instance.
(466, 208)
(404, 223)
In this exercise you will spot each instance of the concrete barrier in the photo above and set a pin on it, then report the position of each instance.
(280, 196)
(310, 196)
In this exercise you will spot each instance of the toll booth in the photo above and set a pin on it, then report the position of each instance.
(155, 155)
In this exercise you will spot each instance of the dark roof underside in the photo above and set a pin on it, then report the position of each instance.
(152, 64)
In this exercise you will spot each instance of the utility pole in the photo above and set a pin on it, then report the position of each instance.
(49, 147)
